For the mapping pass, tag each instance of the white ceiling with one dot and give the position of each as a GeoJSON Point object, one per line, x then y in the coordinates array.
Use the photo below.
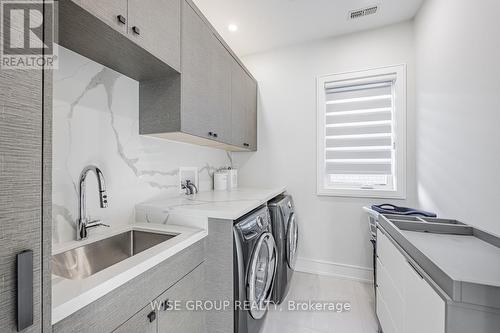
{"type": "Point", "coordinates": [267, 24]}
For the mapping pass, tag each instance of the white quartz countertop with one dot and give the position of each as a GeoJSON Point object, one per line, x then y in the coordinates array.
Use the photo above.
{"type": "Point", "coordinates": [183, 215]}
{"type": "Point", "coordinates": [228, 205]}
{"type": "Point", "coordinates": [69, 296]}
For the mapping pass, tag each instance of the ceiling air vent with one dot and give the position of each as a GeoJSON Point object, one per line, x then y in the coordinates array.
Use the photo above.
{"type": "Point", "coordinates": [354, 14]}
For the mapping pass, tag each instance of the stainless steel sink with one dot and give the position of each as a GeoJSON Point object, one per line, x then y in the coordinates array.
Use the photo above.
{"type": "Point", "coordinates": [89, 259]}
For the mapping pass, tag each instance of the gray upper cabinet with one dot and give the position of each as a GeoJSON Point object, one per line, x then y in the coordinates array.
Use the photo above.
{"type": "Point", "coordinates": [155, 26]}
{"type": "Point", "coordinates": [192, 87]}
{"type": "Point", "coordinates": [220, 90]}
{"type": "Point", "coordinates": [243, 108]}
{"type": "Point", "coordinates": [196, 99]}
{"type": "Point", "coordinates": [112, 12]}
{"type": "Point", "coordinates": [206, 77]}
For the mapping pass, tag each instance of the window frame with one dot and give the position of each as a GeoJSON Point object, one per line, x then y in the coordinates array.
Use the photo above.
{"type": "Point", "coordinates": [399, 132]}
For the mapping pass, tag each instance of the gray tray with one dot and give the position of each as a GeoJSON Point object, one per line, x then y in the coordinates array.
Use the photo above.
{"type": "Point", "coordinates": [462, 260]}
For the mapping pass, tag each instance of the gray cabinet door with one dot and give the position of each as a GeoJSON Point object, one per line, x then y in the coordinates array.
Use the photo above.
{"type": "Point", "coordinates": [21, 124]}
{"type": "Point", "coordinates": [196, 61]}
{"type": "Point", "coordinates": [155, 26]}
{"type": "Point", "coordinates": [220, 89]}
{"type": "Point", "coordinates": [252, 112]}
{"type": "Point", "coordinates": [243, 108]}
{"type": "Point", "coordinates": [238, 105]}
{"type": "Point", "coordinates": [144, 321]}
{"type": "Point", "coordinates": [178, 316]}
{"type": "Point", "coordinates": [205, 79]}
{"type": "Point", "coordinates": [107, 11]}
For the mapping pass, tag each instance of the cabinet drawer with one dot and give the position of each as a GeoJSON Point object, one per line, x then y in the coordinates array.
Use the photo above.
{"type": "Point", "coordinates": [143, 321]}
{"type": "Point", "coordinates": [392, 260]}
{"type": "Point", "coordinates": [384, 316]}
{"type": "Point", "coordinates": [394, 301]}
{"type": "Point", "coordinates": [425, 309]}
{"type": "Point", "coordinates": [407, 302]}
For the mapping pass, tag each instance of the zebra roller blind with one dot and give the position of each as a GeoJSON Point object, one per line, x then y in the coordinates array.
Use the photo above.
{"type": "Point", "coordinates": [358, 132]}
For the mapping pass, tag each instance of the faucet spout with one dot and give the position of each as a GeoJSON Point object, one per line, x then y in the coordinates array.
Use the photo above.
{"type": "Point", "coordinates": [83, 222]}
{"type": "Point", "coordinates": [189, 187]}
{"type": "Point", "coordinates": [192, 187]}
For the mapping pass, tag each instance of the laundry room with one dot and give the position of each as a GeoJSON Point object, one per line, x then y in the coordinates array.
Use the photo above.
{"type": "Point", "coordinates": [236, 166]}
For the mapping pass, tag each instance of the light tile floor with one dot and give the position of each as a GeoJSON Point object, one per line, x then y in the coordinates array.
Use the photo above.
{"type": "Point", "coordinates": [360, 319]}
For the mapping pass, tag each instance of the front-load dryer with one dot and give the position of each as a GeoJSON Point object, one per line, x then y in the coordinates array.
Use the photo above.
{"type": "Point", "coordinates": [285, 231]}
{"type": "Point", "coordinates": [255, 263]}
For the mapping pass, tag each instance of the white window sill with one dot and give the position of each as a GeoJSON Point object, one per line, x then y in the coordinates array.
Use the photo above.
{"type": "Point", "coordinates": [360, 193]}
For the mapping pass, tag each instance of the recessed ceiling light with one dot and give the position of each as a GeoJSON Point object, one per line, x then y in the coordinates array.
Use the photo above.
{"type": "Point", "coordinates": [232, 27]}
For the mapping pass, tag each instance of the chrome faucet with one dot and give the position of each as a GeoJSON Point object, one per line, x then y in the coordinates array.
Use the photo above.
{"type": "Point", "coordinates": [189, 187]}
{"type": "Point", "coordinates": [84, 222]}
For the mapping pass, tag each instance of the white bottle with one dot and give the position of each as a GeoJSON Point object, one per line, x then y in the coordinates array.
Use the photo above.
{"type": "Point", "coordinates": [232, 179]}
{"type": "Point", "coordinates": [221, 180]}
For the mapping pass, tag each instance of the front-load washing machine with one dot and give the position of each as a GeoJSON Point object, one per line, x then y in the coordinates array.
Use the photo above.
{"type": "Point", "coordinates": [255, 263]}
{"type": "Point", "coordinates": [285, 232]}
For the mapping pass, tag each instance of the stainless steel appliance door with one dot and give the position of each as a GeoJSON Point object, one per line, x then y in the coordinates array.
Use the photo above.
{"type": "Point", "coordinates": [292, 236]}
{"type": "Point", "coordinates": [261, 274]}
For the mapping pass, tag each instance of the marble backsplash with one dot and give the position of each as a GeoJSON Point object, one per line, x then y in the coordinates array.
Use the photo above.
{"type": "Point", "coordinates": [96, 121]}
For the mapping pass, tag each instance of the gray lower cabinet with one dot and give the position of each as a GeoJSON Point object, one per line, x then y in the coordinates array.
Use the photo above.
{"type": "Point", "coordinates": [155, 26]}
{"type": "Point", "coordinates": [171, 311]}
{"type": "Point", "coordinates": [205, 80]}
{"type": "Point", "coordinates": [125, 307]}
{"type": "Point", "coordinates": [143, 321]}
{"type": "Point", "coordinates": [179, 313]}
{"type": "Point", "coordinates": [112, 12]}
{"type": "Point", "coordinates": [243, 108]}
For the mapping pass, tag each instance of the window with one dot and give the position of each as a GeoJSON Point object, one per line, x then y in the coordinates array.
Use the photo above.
{"type": "Point", "coordinates": [361, 133]}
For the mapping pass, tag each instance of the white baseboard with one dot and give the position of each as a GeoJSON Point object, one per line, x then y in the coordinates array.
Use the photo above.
{"type": "Point", "coordinates": [328, 268]}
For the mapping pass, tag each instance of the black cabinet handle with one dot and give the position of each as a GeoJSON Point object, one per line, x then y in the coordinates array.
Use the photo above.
{"type": "Point", "coordinates": [152, 316]}
{"type": "Point", "coordinates": [215, 135]}
{"type": "Point", "coordinates": [246, 144]}
{"type": "Point", "coordinates": [136, 30]}
{"type": "Point", "coordinates": [121, 19]}
{"type": "Point", "coordinates": [210, 133]}
{"type": "Point", "coordinates": [24, 289]}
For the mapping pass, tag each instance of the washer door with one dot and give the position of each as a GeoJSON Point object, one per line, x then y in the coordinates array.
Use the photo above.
{"type": "Point", "coordinates": [292, 236]}
{"type": "Point", "coordinates": [261, 273]}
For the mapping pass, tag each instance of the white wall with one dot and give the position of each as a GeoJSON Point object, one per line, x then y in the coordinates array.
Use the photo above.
{"type": "Point", "coordinates": [96, 121]}
{"type": "Point", "coordinates": [458, 110]}
{"type": "Point", "coordinates": [333, 230]}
